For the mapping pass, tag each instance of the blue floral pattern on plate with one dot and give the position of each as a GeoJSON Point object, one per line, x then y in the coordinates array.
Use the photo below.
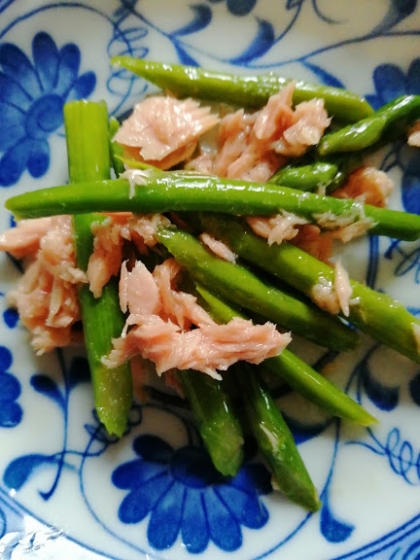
{"type": "Point", "coordinates": [10, 389]}
{"type": "Point", "coordinates": [156, 493]}
{"type": "Point", "coordinates": [238, 7]}
{"type": "Point", "coordinates": [32, 96]}
{"type": "Point", "coordinates": [184, 493]}
{"type": "Point", "coordinates": [390, 82]}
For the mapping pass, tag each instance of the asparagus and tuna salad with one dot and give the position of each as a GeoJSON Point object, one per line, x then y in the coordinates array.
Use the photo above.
{"type": "Point", "coordinates": [198, 236]}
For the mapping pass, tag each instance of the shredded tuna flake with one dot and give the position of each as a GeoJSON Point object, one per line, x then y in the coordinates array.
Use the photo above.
{"type": "Point", "coordinates": [164, 130]}
{"type": "Point", "coordinates": [218, 248]}
{"type": "Point", "coordinates": [414, 135]}
{"type": "Point", "coordinates": [324, 296]}
{"type": "Point", "coordinates": [169, 327]}
{"type": "Point", "coordinates": [368, 185]}
{"type": "Point", "coordinates": [346, 226]}
{"type": "Point", "coordinates": [135, 177]}
{"type": "Point", "coordinates": [278, 228]}
{"type": "Point", "coordinates": [342, 288]}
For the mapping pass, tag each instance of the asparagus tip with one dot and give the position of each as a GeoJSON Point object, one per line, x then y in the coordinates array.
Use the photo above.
{"type": "Point", "coordinates": [310, 501]}
{"type": "Point", "coordinates": [9, 205]}
{"type": "Point", "coordinates": [368, 420]}
{"type": "Point", "coordinates": [121, 60]}
{"type": "Point", "coordinates": [116, 61]}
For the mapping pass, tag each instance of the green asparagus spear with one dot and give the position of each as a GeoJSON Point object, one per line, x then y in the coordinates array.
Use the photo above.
{"type": "Point", "coordinates": [371, 129]}
{"type": "Point", "coordinates": [115, 148]}
{"type": "Point", "coordinates": [295, 372]}
{"type": "Point", "coordinates": [86, 125]}
{"type": "Point", "coordinates": [373, 312]}
{"type": "Point", "coordinates": [310, 171]}
{"type": "Point", "coordinates": [329, 175]}
{"type": "Point", "coordinates": [306, 177]}
{"type": "Point", "coordinates": [160, 191]}
{"type": "Point", "coordinates": [217, 421]}
{"type": "Point", "coordinates": [238, 284]}
{"type": "Point", "coordinates": [275, 440]}
{"type": "Point", "coordinates": [245, 91]}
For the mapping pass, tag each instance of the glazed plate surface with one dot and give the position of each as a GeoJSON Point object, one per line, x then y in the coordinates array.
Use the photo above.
{"type": "Point", "coordinates": [67, 490]}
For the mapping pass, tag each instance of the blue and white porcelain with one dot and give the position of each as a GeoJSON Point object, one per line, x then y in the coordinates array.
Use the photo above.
{"type": "Point", "coordinates": [68, 490]}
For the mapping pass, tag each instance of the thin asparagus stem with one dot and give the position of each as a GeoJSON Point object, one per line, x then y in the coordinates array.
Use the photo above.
{"type": "Point", "coordinates": [160, 191]}
{"type": "Point", "coordinates": [375, 313]}
{"type": "Point", "coordinates": [275, 440]}
{"type": "Point", "coordinates": [217, 421]}
{"type": "Point", "coordinates": [371, 129]}
{"type": "Point", "coordinates": [245, 91]}
{"type": "Point", "coordinates": [241, 286]}
{"type": "Point", "coordinates": [86, 125]}
{"type": "Point", "coordinates": [295, 372]}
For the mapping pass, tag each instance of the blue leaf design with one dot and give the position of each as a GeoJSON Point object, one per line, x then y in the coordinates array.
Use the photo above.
{"type": "Point", "coordinates": [413, 77]}
{"type": "Point", "coordinates": [79, 371]}
{"type": "Point", "coordinates": [13, 162]}
{"type": "Point", "coordinates": [69, 65]}
{"type": "Point", "coordinates": [10, 411]}
{"type": "Point", "coordinates": [47, 386]}
{"type": "Point", "coordinates": [384, 398]}
{"type": "Point", "coordinates": [253, 475]}
{"type": "Point", "coordinates": [3, 523]}
{"type": "Point", "coordinates": [247, 508]}
{"type": "Point", "coordinates": [152, 448]}
{"type": "Point", "coordinates": [11, 317]}
{"type": "Point", "coordinates": [182, 490]}
{"type": "Point", "coordinates": [225, 530]}
{"type": "Point", "coordinates": [11, 414]}
{"type": "Point", "coordinates": [167, 513]}
{"type": "Point", "coordinates": [390, 81]}
{"type": "Point", "coordinates": [4, 4]}
{"type": "Point", "coordinates": [83, 86]}
{"type": "Point", "coordinates": [31, 102]}
{"type": "Point", "coordinates": [404, 7]}
{"type": "Point", "coordinates": [304, 432]}
{"type": "Point", "coordinates": [262, 42]}
{"type": "Point", "coordinates": [46, 59]}
{"type": "Point", "coordinates": [293, 4]}
{"type": "Point", "coordinates": [325, 77]}
{"type": "Point", "coordinates": [374, 100]}
{"type": "Point", "coordinates": [5, 358]}
{"type": "Point", "coordinates": [183, 56]}
{"type": "Point", "coordinates": [414, 388]}
{"type": "Point", "coordinates": [13, 94]}
{"type": "Point", "coordinates": [10, 389]}
{"type": "Point", "coordinates": [39, 159]}
{"type": "Point", "coordinates": [334, 530]}
{"type": "Point", "coordinates": [241, 7]}
{"type": "Point", "coordinates": [413, 310]}
{"type": "Point", "coordinates": [21, 469]}
{"type": "Point", "coordinates": [195, 530]}
{"type": "Point", "coordinates": [202, 18]}
{"type": "Point", "coordinates": [411, 193]}
{"type": "Point", "coordinates": [17, 65]}
{"type": "Point", "coordinates": [126, 8]}
{"type": "Point", "coordinates": [398, 10]}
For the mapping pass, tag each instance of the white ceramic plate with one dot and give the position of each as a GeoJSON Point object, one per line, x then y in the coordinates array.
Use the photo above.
{"type": "Point", "coordinates": [69, 491]}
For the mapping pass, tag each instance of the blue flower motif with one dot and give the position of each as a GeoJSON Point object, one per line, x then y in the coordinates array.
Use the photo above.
{"type": "Point", "coordinates": [390, 82]}
{"type": "Point", "coordinates": [184, 494]}
{"type": "Point", "coordinates": [238, 7]}
{"type": "Point", "coordinates": [10, 410]}
{"type": "Point", "coordinates": [32, 96]}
